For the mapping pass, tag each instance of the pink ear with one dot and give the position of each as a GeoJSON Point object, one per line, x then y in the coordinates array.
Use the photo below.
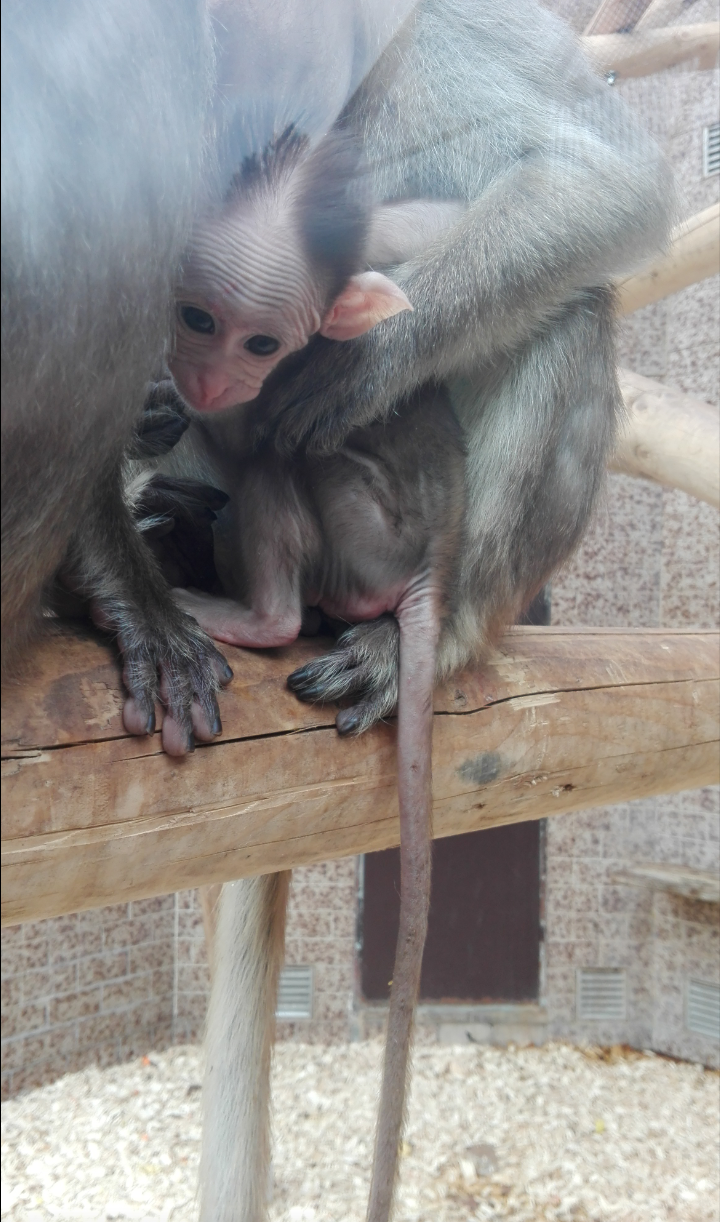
{"type": "Point", "coordinates": [365, 301]}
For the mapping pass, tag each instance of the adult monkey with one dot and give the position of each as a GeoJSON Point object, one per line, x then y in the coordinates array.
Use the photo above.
{"type": "Point", "coordinates": [104, 112]}
{"type": "Point", "coordinates": [104, 119]}
{"type": "Point", "coordinates": [495, 108]}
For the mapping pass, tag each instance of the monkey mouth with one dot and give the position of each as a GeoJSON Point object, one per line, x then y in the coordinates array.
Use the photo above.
{"type": "Point", "coordinates": [231, 396]}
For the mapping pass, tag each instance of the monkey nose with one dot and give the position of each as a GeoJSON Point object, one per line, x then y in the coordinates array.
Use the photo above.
{"type": "Point", "coordinates": [210, 388]}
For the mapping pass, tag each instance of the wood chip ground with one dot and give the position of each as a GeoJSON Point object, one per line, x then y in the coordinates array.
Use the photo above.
{"type": "Point", "coordinates": [576, 1136]}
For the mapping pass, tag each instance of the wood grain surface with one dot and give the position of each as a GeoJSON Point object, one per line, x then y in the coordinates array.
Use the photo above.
{"type": "Point", "coordinates": [555, 721]}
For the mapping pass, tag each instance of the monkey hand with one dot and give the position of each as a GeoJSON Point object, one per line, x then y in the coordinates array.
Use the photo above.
{"type": "Point", "coordinates": [168, 658]}
{"type": "Point", "coordinates": [337, 387]}
{"type": "Point", "coordinates": [362, 670]}
{"type": "Point", "coordinates": [163, 421]}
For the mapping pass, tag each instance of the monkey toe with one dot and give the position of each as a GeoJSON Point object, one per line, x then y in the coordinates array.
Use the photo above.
{"type": "Point", "coordinates": [360, 717]}
{"type": "Point", "coordinates": [137, 717]}
{"type": "Point", "coordinates": [325, 679]}
{"type": "Point", "coordinates": [363, 668]}
{"type": "Point", "coordinates": [177, 740]}
{"type": "Point", "coordinates": [180, 667]}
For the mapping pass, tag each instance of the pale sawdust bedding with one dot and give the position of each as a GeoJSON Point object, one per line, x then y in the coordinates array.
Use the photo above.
{"type": "Point", "coordinates": [576, 1137]}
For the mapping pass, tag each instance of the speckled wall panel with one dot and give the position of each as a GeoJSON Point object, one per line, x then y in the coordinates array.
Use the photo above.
{"type": "Point", "coordinates": [321, 933]}
{"type": "Point", "coordinates": [651, 558]}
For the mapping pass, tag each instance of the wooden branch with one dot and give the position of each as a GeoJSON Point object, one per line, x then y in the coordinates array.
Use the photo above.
{"type": "Point", "coordinates": [632, 55]}
{"type": "Point", "coordinates": [557, 721]}
{"type": "Point", "coordinates": [614, 15]}
{"type": "Point", "coordinates": [659, 12]}
{"type": "Point", "coordinates": [670, 437]}
{"type": "Point", "coordinates": [682, 880]}
{"type": "Point", "coordinates": [209, 897]}
{"type": "Point", "coordinates": [693, 256]}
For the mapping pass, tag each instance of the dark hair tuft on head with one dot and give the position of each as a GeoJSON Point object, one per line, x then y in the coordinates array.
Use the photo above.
{"type": "Point", "coordinates": [261, 170]}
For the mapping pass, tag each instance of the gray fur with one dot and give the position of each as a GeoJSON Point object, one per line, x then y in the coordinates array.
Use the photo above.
{"type": "Point", "coordinates": [495, 108]}
{"type": "Point", "coordinates": [103, 113]}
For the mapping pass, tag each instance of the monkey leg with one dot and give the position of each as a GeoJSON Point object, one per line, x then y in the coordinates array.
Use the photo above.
{"type": "Point", "coordinates": [166, 656]}
{"type": "Point", "coordinates": [539, 427]}
{"type": "Point", "coordinates": [249, 948]}
{"type": "Point", "coordinates": [362, 668]}
{"type": "Point", "coordinates": [228, 621]}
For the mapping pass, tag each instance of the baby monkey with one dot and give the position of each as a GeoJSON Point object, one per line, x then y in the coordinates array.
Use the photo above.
{"type": "Point", "coordinates": [370, 530]}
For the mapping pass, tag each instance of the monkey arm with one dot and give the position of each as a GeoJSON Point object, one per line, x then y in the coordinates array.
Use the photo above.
{"type": "Point", "coordinates": [166, 656]}
{"type": "Point", "coordinates": [554, 223]}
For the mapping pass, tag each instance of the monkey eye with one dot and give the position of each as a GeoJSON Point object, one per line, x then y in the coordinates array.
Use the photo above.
{"type": "Point", "coordinates": [262, 345]}
{"type": "Point", "coordinates": [198, 320]}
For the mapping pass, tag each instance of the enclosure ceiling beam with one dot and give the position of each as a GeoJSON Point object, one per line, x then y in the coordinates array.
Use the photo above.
{"type": "Point", "coordinates": [557, 721]}
{"type": "Point", "coordinates": [615, 15]}
{"type": "Point", "coordinates": [659, 12]}
{"type": "Point", "coordinates": [669, 437]}
{"type": "Point", "coordinates": [633, 55]}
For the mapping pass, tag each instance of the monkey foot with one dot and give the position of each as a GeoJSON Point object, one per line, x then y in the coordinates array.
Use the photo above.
{"type": "Point", "coordinates": [363, 668]}
{"type": "Point", "coordinates": [179, 667]}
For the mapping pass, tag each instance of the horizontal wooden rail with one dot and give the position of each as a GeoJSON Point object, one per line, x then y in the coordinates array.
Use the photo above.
{"type": "Point", "coordinates": [669, 437]}
{"type": "Point", "coordinates": [613, 15]}
{"type": "Point", "coordinates": [641, 54]}
{"type": "Point", "coordinates": [555, 722]}
{"type": "Point", "coordinates": [694, 255]}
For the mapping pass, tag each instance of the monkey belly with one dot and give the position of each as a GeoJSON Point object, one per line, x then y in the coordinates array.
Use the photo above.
{"type": "Point", "coordinates": [369, 556]}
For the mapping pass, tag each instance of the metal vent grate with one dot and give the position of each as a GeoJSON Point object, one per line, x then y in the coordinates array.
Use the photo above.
{"type": "Point", "coordinates": [600, 992]}
{"type": "Point", "coordinates": [703, 1008]}
{"type": "Point", "coordinates": [711, 149]}
{"type": "Point", "coordinates": [295, 993]}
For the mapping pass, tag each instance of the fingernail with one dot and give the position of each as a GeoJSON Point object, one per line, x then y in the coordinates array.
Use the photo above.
{"type": "Point", "coordinates": [228, 673]}
{"type": "Point", "coordinates": [150, 724]}
{"type": "Point", "coordinates": [217, 726]}
{"type": "Point", "coordinates": [190, 742]}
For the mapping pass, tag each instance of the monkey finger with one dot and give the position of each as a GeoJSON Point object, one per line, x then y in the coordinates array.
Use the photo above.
{"type": "Point", "coordinates": [137, 717]}
{"type": "Point", "coordinates": [222, 668]}
{"type": "Point", "coordinates": [175, 692]}
{"type": "Point", "coordinates": [206, 723]}
{"type": "Point", "coordinates": [177, 740]}
{"type": "Point", "coordinates": [140, 679]}
{"type": "Point", "coordinates": [205, 712]}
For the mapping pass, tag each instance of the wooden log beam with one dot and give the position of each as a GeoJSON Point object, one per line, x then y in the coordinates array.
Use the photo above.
{"type": "Point", "coordinates": [556, 721]}
{"type": "Point", "coordinates": [641, 54]}
{"type": "Point", "coordinates": [694, 255]}
{"type": "Point", "coordinates": [670, 437]}
{"type": "Point", "coordinates": [615, 15]}
{"type": "Point", "coordinates": [659, 12]}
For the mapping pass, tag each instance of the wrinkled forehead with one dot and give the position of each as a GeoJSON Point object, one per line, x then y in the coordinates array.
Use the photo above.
{"type": "Point", "coordinates": [249, 261]}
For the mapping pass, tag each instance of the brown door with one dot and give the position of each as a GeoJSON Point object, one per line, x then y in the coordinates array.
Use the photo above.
{"type": "Point", "coordinates": [483, 939]}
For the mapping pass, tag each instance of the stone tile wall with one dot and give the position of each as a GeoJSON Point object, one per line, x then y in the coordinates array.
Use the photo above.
{"type": "Point", "coordinates": [106, 985]}
{"type": "Point", "coordinates": [651, 559]}
{"type": "Point", "coordinates": [321, 932]}
{"type": "Point", "coordinates": [93, 987]}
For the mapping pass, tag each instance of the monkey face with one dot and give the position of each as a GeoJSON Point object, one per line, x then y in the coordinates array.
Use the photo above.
{"type": "Point", "coordinates": [219, 359]}
{"type": "Point", "coordinates": [249, 297]}
{"type": "Point", "coordinates": [246, 300]}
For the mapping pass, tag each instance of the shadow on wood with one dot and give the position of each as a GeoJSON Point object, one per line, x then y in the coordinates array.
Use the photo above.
{"type": "Point", "coordinates": [556, 721]}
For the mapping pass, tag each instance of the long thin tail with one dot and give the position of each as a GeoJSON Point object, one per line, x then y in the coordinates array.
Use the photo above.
{"type": "Point", "coordinates": [418, 637]}
{"type": "Point", "coordinates": [249, 946]}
